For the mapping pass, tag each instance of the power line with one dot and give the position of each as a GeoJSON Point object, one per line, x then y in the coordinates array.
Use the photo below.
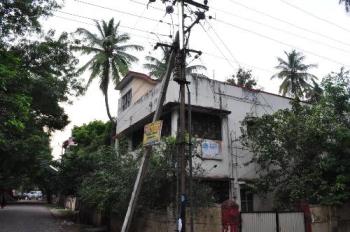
{"type": "Point", "coordinates": [243, 63]}
{"type": "Point", "coordinates": [91, 24]}
{"type": "Point", "coordinates": [215, 44]}
{"type": "Point", "coordinates": [283, 21]}
{"type": "Point", "coordinates": [123, 26]}
{"type": "Point", "coordinates": [291, 33]}
{"type": "Point", "coordinates": [121, 12]}
{"type": "Point", "coordinates": [314, 16]}
{"type": "Point", "coordinates": [148, 38]}
{"type": "Point", "coordinates": [222, 41]}
{"type": "Point", "coordinates": [73, 20]}
{"type": "Point", "coordinates": [161, 10]}
{"type": "Point", "coordinates": [226, 59]}
{"type": "Point", "coordinates": [151, 6]}
{"type": "Point", "coordinates": [280, 42]}
{"type": "Point", "coordinates": [138, 18]}
{"type": "Point", "coordinates": [147, 5]}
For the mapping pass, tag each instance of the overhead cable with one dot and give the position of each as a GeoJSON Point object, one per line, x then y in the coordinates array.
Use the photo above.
{"type": "Point", "coordinates": [123, 26]}
{"type": "Point", "coordinates": [291, 33]}
{"type": "Point", "coordinates": [222, 41]}
{"type": "Point", "coordinates": [281, 42]}
{"type": "Point", "coordinates": [314, 16]}
{"type": "Point", "coordinates": [150, 6]}
{"type": "Point", "coordinates": [121, 12]}
{"type": "Point", "coordinates": [91, 24]}
{"type": "Point", "coordinates": [242, 63]}
{"type": "Point", "coordinates": [281, 20]}
{"type": "Point", "coordinates": [215, 44]}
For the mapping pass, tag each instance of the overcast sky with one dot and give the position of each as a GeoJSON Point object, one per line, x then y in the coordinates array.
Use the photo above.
{"type": "Point", "coordinates": [247, 33]}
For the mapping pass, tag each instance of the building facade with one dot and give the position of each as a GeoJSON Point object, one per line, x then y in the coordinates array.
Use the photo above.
{"type": "Point", "coordinates": [217, 111]}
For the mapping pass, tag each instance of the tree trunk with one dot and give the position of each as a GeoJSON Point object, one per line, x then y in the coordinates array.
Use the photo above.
{"type": "Point", "coordinates": [107, 106]}
{"type": "Point", "coordinates": [114, 123]}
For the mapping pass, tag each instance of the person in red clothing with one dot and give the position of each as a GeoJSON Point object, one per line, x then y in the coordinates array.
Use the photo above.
{"type": "Point", "coordinates": [230, 216]}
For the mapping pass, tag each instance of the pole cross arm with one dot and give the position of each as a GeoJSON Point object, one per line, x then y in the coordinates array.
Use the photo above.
{"type": "Point", "coordinates": [196, 4]}
{"type": "Point", "coordinates": [194, 51]}
{"type": "Point", "coordinates": [163, 45]}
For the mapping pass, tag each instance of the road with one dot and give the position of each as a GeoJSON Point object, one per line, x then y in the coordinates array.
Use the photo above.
{"type": "Point", "coordinates": [28, 218]}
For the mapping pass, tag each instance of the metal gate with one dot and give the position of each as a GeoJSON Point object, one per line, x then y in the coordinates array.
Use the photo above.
{"type": "Point", "coordinates": [272, 222]}
{"type": "Point", "coordinates": [291, 222]}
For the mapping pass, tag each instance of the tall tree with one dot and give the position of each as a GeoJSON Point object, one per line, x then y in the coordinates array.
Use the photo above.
{"type": "Point", "coordinates": [110, 55]}
{"type": "Point", "coordinates": [35, 78]}
{"type": "Point", "coordinates": [19, 17]}
{"type": "Point", "coordinates": [294, 74]}
{"type": "Point", "coordinates": [243, 78]}
{"type": "Point", "coordinates": [158, 67]}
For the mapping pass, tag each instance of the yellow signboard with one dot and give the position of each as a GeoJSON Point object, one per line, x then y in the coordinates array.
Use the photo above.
{"type": "Point", "coordinates": [152, 133]}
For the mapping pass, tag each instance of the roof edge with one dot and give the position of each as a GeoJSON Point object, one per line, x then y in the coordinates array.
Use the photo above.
{"type": "Point", "coordinates": [131, 75]}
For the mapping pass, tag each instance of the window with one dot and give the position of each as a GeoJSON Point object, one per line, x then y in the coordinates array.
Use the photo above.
{"type": "Point", "coordinates": [247, 201]}
{"type": "Point", "coordinates": [137, 138]}
{"type": "Point", "coordinates": [126, 100]}
{"type": "Point", "coordinates": [220, 190]}
{"type": "Point", "coordinates": [206, 126]}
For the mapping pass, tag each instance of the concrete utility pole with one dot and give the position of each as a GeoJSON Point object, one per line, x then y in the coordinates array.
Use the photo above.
{"type": "Point", "coordinates": [180, 78]}
{"type": "Point", "coordinates": [177, 58]}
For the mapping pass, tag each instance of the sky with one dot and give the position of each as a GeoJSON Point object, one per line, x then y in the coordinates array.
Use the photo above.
{"type": "Point", "coordinates": [236, 33]}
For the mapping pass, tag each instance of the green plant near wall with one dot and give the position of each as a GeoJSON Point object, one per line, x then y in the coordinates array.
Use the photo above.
{"type": "Point", "coordinates": [109, 186]}
{"type": "Point", "coordinates": [304, 152]}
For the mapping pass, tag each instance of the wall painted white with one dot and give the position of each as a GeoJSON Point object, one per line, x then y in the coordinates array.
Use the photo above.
{"type": "Point", "coordinates": [215, 95]}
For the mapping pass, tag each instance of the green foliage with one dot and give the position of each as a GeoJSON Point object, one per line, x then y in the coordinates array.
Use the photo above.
{"type": "Point", "coordinates": [18, 17]}
{"type": "Point", "coordinates": [314, 93]}
{"type": "Point", "coordinates": [158, 67]}
{"type": "Point", "coordinates": [91, 136]}
{"type": "Point", "coordinates": [109, 184]}
{"type": "Point", "coordinates": [110, 55]}
{"type": "Point", "coordinates": [35, 77]}
{"type": "Point", "coordinates": [78, 161]}
{"type": "Point", "coordinates": [294, 74]}
{"type": "Point", "coordinates": [303, 152]}
{"type": "Point", "coordinates": [243, 78]}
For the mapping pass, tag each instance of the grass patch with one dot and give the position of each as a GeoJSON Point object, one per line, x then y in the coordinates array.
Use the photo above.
{"type": "Point", "coordinates": [62, 213]}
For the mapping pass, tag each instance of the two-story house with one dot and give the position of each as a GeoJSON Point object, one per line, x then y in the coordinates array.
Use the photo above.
{"type": "Point", "coordinates": [217, 111]}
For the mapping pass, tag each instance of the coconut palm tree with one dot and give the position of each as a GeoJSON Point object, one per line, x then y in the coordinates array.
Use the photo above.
{"type": "Point", "coordinates": [294, 74]}
{"type": "Point", "coordinates": [110, 59]}
{"type": "Point", "coordinates": [158, 67]}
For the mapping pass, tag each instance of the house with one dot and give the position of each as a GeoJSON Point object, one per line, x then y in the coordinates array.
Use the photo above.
{"type": "Point", "coordinates": [217, 111]}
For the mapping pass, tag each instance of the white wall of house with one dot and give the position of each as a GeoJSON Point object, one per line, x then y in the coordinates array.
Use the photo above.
{"type": "Point", "coordinates": [140, 88]}
{"type": "Point", "coordinates": [216, 95]}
